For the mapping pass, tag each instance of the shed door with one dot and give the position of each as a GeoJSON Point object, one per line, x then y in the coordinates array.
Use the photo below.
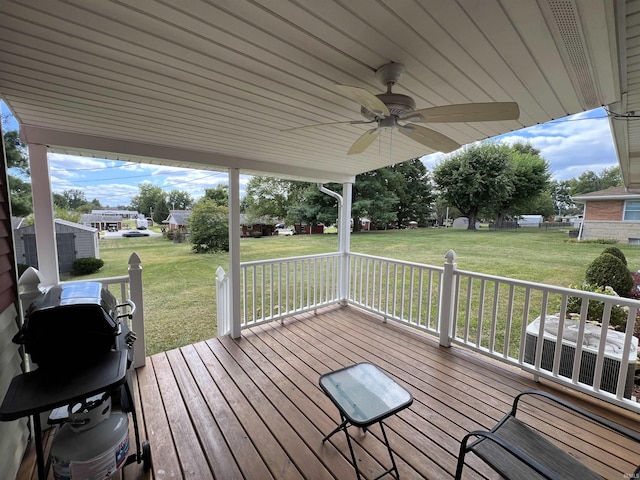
{"type": "Point", "coordinates": [66, 250]}
{"type": "Point", "coordinates": [66, 243]}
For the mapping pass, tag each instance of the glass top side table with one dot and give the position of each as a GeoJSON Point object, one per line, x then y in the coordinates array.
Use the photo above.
{"type": "Point", "coordinates": [364, 395]}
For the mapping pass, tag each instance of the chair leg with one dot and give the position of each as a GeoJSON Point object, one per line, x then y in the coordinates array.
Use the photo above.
{"type": "Point", "coordinates": [461, 455]}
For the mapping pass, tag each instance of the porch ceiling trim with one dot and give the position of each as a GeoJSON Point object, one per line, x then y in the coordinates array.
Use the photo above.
{"type": "Point", "coordinates": [125, 150]}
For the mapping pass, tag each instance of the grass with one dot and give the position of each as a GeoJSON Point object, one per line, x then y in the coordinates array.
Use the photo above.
{"type": "Point", "coordinates": [179, 286]}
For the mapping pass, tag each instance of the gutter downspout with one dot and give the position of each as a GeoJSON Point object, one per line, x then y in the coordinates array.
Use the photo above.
{"type": "Point", "coordinates": [343, 243]}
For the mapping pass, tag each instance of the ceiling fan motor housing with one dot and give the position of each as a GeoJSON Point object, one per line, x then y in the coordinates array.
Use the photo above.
{"type": "Point", "coordinates": [397, 103]}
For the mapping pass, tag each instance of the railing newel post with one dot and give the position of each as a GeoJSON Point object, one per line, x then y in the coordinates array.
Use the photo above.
{"type": "Point", "coordinates": [447, 295]}
{"type": "Point", "coordinates": [137, 323]}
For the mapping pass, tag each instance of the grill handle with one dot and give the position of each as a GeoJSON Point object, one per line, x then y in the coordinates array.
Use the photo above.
{"type": "Point", "coordinates": [129, 314]}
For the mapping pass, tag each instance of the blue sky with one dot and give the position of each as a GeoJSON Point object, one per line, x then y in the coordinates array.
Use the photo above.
{"type": "Point", "coordinates": [571, 145]}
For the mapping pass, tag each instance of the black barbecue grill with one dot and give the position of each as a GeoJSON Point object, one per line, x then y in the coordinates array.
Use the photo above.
{"type": "Point", "coordinates": [71, 325]}
{"type": "Point", "coordinates": [73, 333]}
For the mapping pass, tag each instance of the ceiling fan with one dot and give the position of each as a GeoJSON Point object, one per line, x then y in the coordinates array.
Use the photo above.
{"type": "Point", "coordinates": [388, 110]}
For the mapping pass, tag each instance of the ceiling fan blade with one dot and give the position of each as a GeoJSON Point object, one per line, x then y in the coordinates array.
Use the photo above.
{"type": "Point", "coordinates": [468, 112]}
{"type": "Point", "coordinates": [365, 98]}
{"type": "Point", "coordinates": [313, 125]}
{"type": "Point", "coordinates": [429, 138]}
{"type": "Point", "coordinates": [366, 139]}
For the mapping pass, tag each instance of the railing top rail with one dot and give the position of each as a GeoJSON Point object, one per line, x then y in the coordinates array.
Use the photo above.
{"type": "Point", "coordinates": [289, 259]}
{"type": "Point", "coordinates": [108, 280]}
{"type": "Point", "coordinates": [401, 262]}
{"type": "Point", "coordinates": [600, 297]}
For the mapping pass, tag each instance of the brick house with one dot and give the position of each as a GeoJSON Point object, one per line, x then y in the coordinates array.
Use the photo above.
{"type": "Point", "coordinates": [611, 213]}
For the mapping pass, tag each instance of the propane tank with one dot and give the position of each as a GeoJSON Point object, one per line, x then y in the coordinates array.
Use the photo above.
{"type": "Point", "coordinates": [93, 453]}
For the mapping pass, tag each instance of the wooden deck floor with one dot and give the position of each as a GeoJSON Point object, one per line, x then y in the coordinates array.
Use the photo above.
{"type": "Point", "coordinates": [252, 408]}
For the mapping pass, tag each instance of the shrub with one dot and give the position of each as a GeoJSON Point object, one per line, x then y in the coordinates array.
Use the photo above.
{"type": "Point", "coordinates": [85, 266]}
{"type": "Point", "coordinates": [21, 269]}
{"type": "Point", "coordinates": [596, 309]}
{"type": "Point", "coordinates": [256, 234]}
{"type": "Point", "coordinates": [616, 252]}
{"type": "Point", "coordinates": [608, 271]}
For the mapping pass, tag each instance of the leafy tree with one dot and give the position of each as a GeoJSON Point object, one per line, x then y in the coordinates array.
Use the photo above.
{"type": "Point", "coordinates": [441, 207]}
{"type": "Point", "coordinates": [21, 202]}
{"type": "Point", "coordinates": [267, 196]}
{"type": "Point", "coordinates": [151, 201]}
{"type": "Point", "coordinates": [16, 153]}
{"type": "Point", "coordinates": [477, 178]}
{"type": "Point", "coordinates": [560, 194]}
{"type": "Point", "coordinates": [414, 191]}
{"type": "Point", "coordinates": [591, 181]}
{"type": "Point", "coordinates": [530, 177]}
{"type": "Point", "coordinates": [17, 159]}
{"type": "Point", "coordinates": [74, 198]}
{"type": "Point", "coordinates": [179, 200]}
{"type": "Point", "coordinates": [374, 198]}
{"type": "Point", "coordinates": [219, 195]}
{"type": "Point", "coordinates": [312, 206]}
{"type": "Point", "coordinates": [209, 227]}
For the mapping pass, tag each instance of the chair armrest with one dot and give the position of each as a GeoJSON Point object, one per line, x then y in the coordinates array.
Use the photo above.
{"type": "Point", "coordinates": [591, 416]}
{"type": "Point", "coordinates": [510, 449]}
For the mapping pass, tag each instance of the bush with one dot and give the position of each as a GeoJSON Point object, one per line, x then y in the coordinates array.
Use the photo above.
{"type": "Point", "coordinates": [596, 309]}
{"type": "Point", "coordinates": [85, 266]}
{"type": "Point", "coordinates": [608, 271]}
{"type": "Point", "coordinates": [256, 234]}
{"type": "Point", "coordinates": [616, 252]}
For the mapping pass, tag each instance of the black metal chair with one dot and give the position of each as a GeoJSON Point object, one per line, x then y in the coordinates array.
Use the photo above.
{"type": "Point", "coordinates": [516, 451]}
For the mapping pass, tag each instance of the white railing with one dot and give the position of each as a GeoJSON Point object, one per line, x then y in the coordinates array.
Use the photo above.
{"type": "Point", "coordinates": [402, 291]}
{"type": "Point", "coordinates": [276, 289]}
{"type": "Point", "coordinates": [514, 321]}
{"type": "Point", "coordinates": [521, 323]}
{"type": "Point", "coordinates": [125, 287]}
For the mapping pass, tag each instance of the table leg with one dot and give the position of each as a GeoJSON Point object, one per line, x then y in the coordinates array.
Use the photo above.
{"type": "Point", "coordinates": [393, 462]}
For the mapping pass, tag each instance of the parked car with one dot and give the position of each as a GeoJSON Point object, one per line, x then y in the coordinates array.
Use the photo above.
{"type": "Point", "coordinates": [135, 233]}
{"type": "Point", "coordinates": [284, 231]}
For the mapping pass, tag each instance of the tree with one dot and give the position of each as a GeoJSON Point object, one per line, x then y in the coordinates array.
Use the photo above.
{"type": "Point", "coordinates": [219, 195]}
{"type": "Point", "coordinates": [530, 177]}
{"type": "Point", "coordinates": [21, 202]}
{"type": "Point", "coordinates": [266, 196]}
{"type": "Point", "coordinates": [151, 201]}
{"type": "Point", "coordinates": [209, 227]}
{"type": "Point", "coordinates": [374, 198]}
{"type": "Point", "coordinates": [559, 191]}
{"type": "Point", "coordinates": [414, 191]}
{"type": "Point", "coordinates": [17, 159]}
{"type": "Point", "coordinates": [591, 181]}
{"type": "Point", "coordinates": [477, 178]}
{"type": "Point", "coordinates": [179, 200]}
{"type": "Point", "coordinates": [74, 199]}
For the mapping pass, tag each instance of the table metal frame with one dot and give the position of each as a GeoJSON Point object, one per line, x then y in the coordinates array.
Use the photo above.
{"type": "Point", "coordinates": [347, 420]}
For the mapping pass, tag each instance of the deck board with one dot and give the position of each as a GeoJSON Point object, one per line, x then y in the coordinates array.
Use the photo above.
{"type": "Point", "coordinates": [252, 408]}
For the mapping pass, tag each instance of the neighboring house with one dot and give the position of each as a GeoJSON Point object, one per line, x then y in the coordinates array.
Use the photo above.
{"type": "Point", "coordinates": [612, 213]}
{"type": "Point", "coordinates": [177, 219]}
{"type": "Point", "coordinates": [120, 213]}
{"type": "Point", "coordinates": [265, 225]}
{"type": "Point", "coordinates": [72, 239]}
{"type": "Point", "coordinates": [530, 220]}
{"type": "Point", "coordinates": [109, 222]}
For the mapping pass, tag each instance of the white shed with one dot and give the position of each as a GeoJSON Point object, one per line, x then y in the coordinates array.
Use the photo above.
{"type": "Point", "coordinates": [72, 239]}
{"type": "Point", "coordinates": [530, 220]}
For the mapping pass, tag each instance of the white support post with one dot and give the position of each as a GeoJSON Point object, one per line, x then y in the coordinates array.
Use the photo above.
{"type": "Point", "coordinates": [234, 249]}
{"type": "Point", "coordinates": [447, 296]}
{"type": "Point", "coordinates": [344, 240]}
{"type": "Point", "coordinates": [137, 323]}
{"type": "Point", "coordinates": [43, 214]}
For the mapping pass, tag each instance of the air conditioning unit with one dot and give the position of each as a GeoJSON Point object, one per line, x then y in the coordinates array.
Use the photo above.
{"type": "Point", "coordinates": [613, 353]}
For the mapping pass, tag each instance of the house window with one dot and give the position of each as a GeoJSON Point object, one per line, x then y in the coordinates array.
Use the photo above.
{"type": "Point", "coordinates": [634, 241]}
{"type": "Point", "coordinates": [632, 210]}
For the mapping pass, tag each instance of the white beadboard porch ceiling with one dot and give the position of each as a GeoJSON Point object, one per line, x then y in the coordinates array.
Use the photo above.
{"type": "Point", "coordinates": [212, 84]}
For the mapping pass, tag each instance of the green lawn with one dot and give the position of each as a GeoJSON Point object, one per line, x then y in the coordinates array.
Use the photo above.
{"type": "Point", "coordinates": [179, 286]}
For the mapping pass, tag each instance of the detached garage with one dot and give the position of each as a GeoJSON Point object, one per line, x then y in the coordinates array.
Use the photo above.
{"type": "Point", "coordinates": [72, 239]}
